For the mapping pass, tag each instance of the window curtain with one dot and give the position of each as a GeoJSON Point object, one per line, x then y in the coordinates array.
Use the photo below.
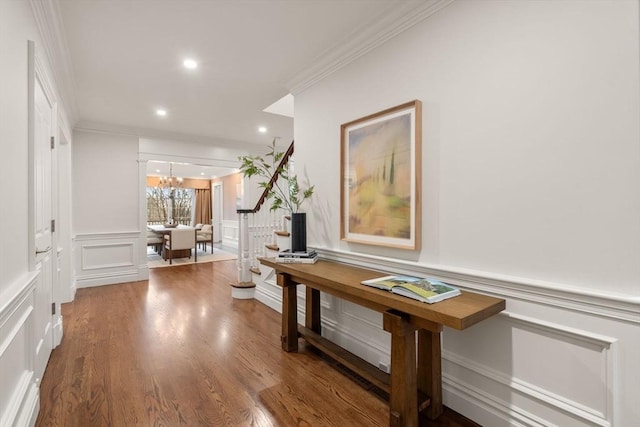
{"type": "Point", "coordinates": [203, 206]}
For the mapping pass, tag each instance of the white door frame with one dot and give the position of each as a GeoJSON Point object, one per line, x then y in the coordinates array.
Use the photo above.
{"type": "Point", "coordinates": [218, 200]}
{"type": "Point", "coordinates": [65, 292]}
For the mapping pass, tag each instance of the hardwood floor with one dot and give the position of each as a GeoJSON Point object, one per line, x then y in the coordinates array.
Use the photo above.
{"type": "Point", "coordinates": [178, 350]}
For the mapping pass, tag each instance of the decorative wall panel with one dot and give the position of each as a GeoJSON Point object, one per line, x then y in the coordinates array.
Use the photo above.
{"type": "Point", "coordinates": [230, 233]}
{"type": "Point", "coordinates": [108, 258]}
{"type": "Point", "coordinates": [19, 390]}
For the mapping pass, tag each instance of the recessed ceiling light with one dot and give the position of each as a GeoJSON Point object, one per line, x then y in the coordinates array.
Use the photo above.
{"type": "Point", "coordinates": [262, 129]}
{"type": "Point", "coordinates": [161, 112]}
{"type": "Point", "coordinates": [158, 170]}
{"type": "Point", "coordinates": [190, 64]}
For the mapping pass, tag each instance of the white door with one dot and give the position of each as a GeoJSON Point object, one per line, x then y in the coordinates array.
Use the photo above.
{"type": "Point", "coordinates": [43, 132]}
{"type": "Point", "coordinates": [217, 212]}
{"type": "Point", "coordinates": [43, 128]}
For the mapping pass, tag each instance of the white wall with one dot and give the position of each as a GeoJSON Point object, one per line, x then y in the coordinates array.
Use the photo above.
{"type": "Point", "coordinates": [16, 28]}
{"type": "Point", "coordinates": [19, 391]}
{"type": "Point", "coordinates": [530, 137]}
{"type": "Point", "coordinates": [106, 209]}
{"type": "Point", "coordinates": [109, 185]}
{"type": "Point", "coordinates": [530, 189]}
{"type": "Point", "coordinates": [105, 178]}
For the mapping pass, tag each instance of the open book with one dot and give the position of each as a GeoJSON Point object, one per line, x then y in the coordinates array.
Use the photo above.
{"type": "Point", "coordinates": [421, 289]}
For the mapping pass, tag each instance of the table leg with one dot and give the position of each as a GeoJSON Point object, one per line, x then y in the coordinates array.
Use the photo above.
{"type": "Point", "coordinates": [289, 335]}
{"type": "Point", "coordinates": [430, 370]}
{"type": "Point", "coordinates": [312, 312]}
{"type": "Point", "coordinates": [403, 397]}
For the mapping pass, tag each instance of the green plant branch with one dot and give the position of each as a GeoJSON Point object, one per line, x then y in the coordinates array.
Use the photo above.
{"type": "Point", "coordinates": [257, 166]}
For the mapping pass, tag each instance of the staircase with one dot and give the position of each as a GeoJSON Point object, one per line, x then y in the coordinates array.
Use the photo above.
{"type": "Point", "coordinates": [263, 233]}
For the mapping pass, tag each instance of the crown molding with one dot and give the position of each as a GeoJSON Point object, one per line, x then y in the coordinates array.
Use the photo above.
{"type": "Point", "coordinates": [50, 26]}
{"type": "Point", "coordinates": [364, 39]}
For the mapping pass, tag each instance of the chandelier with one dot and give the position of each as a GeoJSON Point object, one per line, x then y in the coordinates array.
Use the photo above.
{"type": "Point", "coordinates": [171, 182]}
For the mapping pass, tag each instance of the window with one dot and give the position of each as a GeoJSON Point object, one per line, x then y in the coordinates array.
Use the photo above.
{"type": "Point", "coordinates": [164, 204]}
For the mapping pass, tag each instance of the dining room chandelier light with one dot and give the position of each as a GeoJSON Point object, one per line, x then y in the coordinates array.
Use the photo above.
{"type": "Point", "coordinates": [168, 186]}
{"type": "Point", "coordinates": [171, 182]}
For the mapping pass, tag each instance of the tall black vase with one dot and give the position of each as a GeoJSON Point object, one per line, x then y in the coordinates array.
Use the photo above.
{"type": "Point", "coordinates": [299, 232]}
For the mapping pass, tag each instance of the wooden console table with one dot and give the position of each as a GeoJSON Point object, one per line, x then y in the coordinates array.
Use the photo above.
{"type": "Point", "coordinates": [415, 382]}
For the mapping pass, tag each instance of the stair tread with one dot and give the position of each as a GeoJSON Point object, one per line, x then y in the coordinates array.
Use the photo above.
{"type": "Point", "coordinates": [243, 285]}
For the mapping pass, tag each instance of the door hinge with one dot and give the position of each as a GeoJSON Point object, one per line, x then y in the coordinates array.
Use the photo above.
{"type": "Point", "coordinates": [53, 142]}
{"type": "Point", "coordinates": [53, 225]}
{"type": "Point", "coordinates": [53, 308]}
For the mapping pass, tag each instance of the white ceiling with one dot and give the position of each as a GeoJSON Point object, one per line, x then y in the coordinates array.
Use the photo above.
{"type": "Point", "coordinates": [126, 60]}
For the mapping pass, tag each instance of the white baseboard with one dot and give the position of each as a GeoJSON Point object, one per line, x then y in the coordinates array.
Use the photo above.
{"type": "Point", "coordinates": [143, 272]}
{"type": "Point", "coordinates": [72, 290]}
{"type": "Point", "coordinates": [269, 294]}
{"type": "Point", "coordinates": [57, 331]}
{"type": "Point", "coordinates": [89, 281]}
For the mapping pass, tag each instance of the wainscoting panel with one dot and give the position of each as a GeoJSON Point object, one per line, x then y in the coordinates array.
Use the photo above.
{"type": "Point", "coordinates": [230, 233]}
{"type": "Point", "coordinates": [19, 400]}
{"type": "Point", "coordinates": [529, 366]}
{"type": "Point", "coordinates": [98, 257]}
{"type": "Point", "coordinates": [553, 358]}
{"type": "Point", "coordinates": [108, 258]}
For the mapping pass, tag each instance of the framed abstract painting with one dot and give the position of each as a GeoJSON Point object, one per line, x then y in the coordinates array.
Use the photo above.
{"type": "Point", "coordinates": [380, 178]}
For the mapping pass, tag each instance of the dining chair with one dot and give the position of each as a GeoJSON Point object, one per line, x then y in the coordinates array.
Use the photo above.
{"type": "Point", "coordinates": [180, 239]}
{"type": "Point", "coordinates": [155, 240]}
{"type": "Point", "coordinates": [205, 235]}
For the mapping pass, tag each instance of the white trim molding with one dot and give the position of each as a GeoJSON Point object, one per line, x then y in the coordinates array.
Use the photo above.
{"type": "Point", "coordinates": [143, 267]}
{"type": "Point", "coordinates": [267, 291]}
{"type": "Point", "coordinates": [393, 21]}
{"type": "Point", "coordinates": [606, 304]}
{"type": "Point", "coordinates": [49, 22]}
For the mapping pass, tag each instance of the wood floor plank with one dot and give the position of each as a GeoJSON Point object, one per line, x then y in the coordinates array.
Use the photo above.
{"type": "Point", "coordinates": [177, 350]}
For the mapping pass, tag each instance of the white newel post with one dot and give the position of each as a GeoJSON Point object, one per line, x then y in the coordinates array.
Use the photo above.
{"type": "Point", "coordinates": [244, 258]}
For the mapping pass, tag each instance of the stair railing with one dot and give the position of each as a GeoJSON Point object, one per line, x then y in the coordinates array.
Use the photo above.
{"type": "Point", "coordinates": [257, 227]}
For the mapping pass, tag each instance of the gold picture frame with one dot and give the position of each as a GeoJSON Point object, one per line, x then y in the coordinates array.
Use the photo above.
{"type": "Point", "coordinates": [380, 178]}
